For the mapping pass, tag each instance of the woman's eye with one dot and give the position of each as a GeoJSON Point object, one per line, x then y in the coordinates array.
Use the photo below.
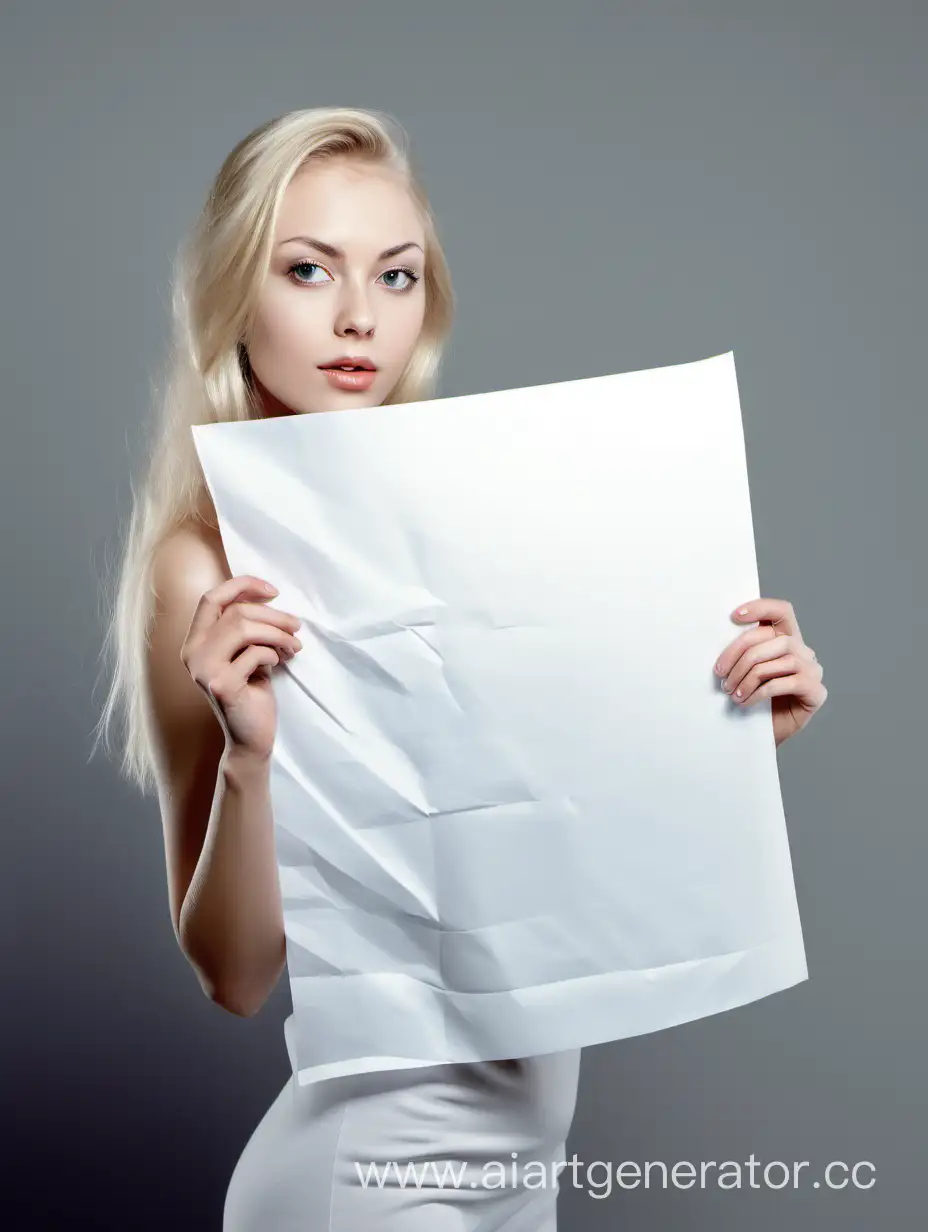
{"type": "Point", "coordinates": [302, 265]}
{"type": "Point", "coordinates": [412, 279]}
{"type": "Point", "coordinates": [299, 266]}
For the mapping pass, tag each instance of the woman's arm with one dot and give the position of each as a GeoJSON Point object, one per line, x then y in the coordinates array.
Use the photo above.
{"type": "Point", "coordinates": [223, 883]}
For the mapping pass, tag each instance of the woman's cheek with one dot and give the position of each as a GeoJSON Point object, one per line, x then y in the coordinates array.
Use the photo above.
{"type": "Point", "coordinates": [289, 332]}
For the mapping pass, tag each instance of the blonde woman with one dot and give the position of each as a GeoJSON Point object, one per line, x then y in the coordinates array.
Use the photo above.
{"type": "Point", "coordinates": [316, 250]}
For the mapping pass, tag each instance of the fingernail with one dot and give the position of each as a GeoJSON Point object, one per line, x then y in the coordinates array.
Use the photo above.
{"type": "Point", "coordinates": [272, 590]}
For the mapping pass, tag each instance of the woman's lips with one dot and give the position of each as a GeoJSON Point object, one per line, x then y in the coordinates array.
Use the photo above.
{"type": "Point", "coordinates": [351, 382]}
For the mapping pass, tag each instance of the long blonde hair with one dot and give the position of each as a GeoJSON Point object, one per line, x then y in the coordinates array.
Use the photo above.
{"type": "Point", "coordinates": [218, 272]}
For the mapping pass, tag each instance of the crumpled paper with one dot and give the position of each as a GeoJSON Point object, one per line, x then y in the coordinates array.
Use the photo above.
{"type": "Point", "coordinates": [514, 812]}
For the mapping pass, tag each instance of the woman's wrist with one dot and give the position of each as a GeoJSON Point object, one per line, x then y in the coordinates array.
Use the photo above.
{"type": "Point", "coordinates": [241, 764]}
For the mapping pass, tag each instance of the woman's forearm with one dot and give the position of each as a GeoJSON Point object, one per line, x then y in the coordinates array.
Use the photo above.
{"type": "Point", "coordinates": [231, 921]}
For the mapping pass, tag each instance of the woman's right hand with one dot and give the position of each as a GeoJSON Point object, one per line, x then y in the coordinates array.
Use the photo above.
{"type": "Point", "coordinates": [231, 645]}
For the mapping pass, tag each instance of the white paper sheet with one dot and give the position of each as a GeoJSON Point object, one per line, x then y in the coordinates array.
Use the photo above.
{"type": "Point", "coordinates": [514, 811]}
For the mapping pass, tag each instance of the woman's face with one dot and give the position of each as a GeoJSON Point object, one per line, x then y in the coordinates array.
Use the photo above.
{"type": "Point", "coordinates": [316, 305]}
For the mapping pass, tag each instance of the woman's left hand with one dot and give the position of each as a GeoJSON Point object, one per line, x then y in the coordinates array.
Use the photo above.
{"type": "Point", "coordinates": [773, 661]}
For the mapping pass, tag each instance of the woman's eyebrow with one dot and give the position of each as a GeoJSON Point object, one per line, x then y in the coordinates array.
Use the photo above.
{"type": "Point", "coordinates": [331, 251]}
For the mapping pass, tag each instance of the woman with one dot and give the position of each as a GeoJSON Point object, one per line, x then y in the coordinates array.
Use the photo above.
{"type": "Point", "coordinates": [317, 250]}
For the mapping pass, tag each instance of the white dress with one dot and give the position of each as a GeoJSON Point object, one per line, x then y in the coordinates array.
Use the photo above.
{"type": "Point", "coordinates": [449, 1144]}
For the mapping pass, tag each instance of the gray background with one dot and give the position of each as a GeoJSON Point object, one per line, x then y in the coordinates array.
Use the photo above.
{"type": "Point", "coordinates": [618, 187]}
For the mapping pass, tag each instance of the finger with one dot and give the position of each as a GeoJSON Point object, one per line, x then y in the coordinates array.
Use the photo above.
{"type": "Point", "coordinates": [787, 665]}
{"type": "Point", "coordinates": [779, 685]}
{"type": "Point", "coordinates": [734, 650]}
{"type": "Point", "coordinates": [261, 611]}
{"type": "Point", "coordinates": [231, 635]}
{"type": "Point", "coordinates": [229, 681]}
{"type": "Point", "coordinates": [809, 693]}
{"type": "Point", "coordinates": [228, 639]}
{"type": "Point", "coordinates": [214, 601]}
{"type": "Point", "coordinates": [759, 650]}
{"type": "Point", "coordinates": [777, 612]}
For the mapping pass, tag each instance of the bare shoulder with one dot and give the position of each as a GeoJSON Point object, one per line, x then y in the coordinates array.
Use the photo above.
{"type": "Point", "coordinates": [189, 560]}
{"type": "Point", "coordinates": [187, 740]}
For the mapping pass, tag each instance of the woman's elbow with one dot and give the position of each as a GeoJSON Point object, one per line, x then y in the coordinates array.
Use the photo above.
{"type": "Point", "coordinates": [235, 1002]}
{"type": "Point", "coordinates": [239, 997]}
